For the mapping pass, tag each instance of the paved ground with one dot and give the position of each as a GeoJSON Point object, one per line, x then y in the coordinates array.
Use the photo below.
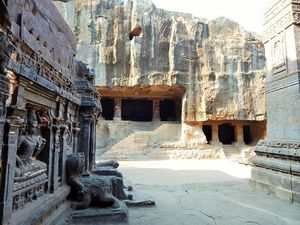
{"type": "Point", "coordinates": [196, 192]}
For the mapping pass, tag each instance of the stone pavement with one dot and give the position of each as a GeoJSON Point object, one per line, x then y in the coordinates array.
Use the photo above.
{"type": "Point", "coordinates": [196, 192]}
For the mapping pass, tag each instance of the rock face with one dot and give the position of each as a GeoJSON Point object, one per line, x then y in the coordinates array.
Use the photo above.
{"type": "Point", "coordinates": [221, 66]}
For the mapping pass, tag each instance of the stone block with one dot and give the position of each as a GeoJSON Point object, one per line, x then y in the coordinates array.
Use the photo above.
{"type": "Point", "coordinates": [101, 216]}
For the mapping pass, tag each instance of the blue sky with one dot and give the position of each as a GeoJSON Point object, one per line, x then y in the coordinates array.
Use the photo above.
{"type": "Point", "coordinates": [247, 13]}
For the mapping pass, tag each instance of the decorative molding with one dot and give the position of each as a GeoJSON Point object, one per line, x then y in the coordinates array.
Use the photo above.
{"type": "Point", "coordinates": [283, 83]}
{"type": "Point", "coordinates": [30, 195]}
{"type": "Point", "coordinates": [278, 149]}
{"type": "Point", "coordinates": [46, 83]}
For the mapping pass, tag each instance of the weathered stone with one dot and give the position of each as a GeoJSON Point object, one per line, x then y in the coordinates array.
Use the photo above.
{"type": "Point", "coordinates": [277, 161]}
{"type": "Point", "coordinates": [220, 65]}
{"type": "Point", "coordinates": [46, 99]}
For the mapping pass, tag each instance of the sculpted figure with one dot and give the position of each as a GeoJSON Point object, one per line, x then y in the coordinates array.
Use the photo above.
{"type": "Point", "coordinates": [109, 168]}
{"type": "Point", "coordinates": [88, 190]}
{"type": "Point", "coordinates": [29, 146]}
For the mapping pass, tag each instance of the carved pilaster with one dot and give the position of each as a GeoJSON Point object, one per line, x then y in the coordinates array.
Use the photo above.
{"type": "Point", "coordinates": [76, 130]}
{"type": "Point", "coordinates": [9, 150]}
{"type": "Point", "coordinates": [55, 179]}
{"type": "Point", "coordinates": [86, 136]}
{"type": "Point", "coordinates": [63, 152]}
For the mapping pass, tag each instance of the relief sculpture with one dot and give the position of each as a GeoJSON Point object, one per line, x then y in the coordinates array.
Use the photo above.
{"type": "Point", "coordinates": [29, 147]}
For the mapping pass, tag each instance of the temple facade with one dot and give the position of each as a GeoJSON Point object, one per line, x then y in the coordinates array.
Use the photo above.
{"type": "Point", "coordinates": [49, 111]}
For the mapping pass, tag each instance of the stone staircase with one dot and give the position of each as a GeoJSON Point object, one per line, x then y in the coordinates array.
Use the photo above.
{"type": "Point", "coordinates": [243, 154]}
{"type": "Point", "coordinates": [231, 151]}
{"type": "Point", "coordinates": [137, 144]}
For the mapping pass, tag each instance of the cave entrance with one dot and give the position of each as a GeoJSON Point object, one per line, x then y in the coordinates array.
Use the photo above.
{"type": "Point", "coordinates": [207, 130]}
{"type": "Point", "coordinates": [107, 108]}
{"type": "Point", "coordinates": [226, 133]}
{"type": "Point", "coordinates": [137, 110]}
{"type": "Point", "coordinates": [247, 134]}
{"type": "Point", "coordinates": [168, 110]}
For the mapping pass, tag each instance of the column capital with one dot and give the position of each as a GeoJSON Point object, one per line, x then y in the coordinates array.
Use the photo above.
{"type": "Point", "coordinates": [14, 121]}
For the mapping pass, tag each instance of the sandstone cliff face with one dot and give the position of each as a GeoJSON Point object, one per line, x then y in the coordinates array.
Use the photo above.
{"type": "Point", "coordinates": [218, 62]}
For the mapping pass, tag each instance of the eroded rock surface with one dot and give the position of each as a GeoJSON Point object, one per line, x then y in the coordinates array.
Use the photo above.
{"type": "Point", "coordinates": [219, 63]}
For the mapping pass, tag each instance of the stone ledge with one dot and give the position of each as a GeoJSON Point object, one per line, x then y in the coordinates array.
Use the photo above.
{"type": "Point", "coordinates": [97, 216]}
{"type": "Point", "coordinates": [283, 185]}
{"type": "Point", "coordinates": [40, 210]}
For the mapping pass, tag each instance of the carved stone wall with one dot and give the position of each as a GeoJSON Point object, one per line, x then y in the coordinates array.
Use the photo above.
{"type": "Point", "coordinates": [277, 161]}
{"type": "Point", "coordinates": [42, 91]}
{"type": "Point", "coordinates": [219, 64]}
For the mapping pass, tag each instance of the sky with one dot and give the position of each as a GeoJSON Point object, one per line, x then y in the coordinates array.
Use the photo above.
{"type": "Point", "coordinates": [247, 13]}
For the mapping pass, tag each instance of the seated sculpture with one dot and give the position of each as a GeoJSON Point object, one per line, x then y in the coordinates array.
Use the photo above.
{"type": "Point", "coordinates": [91, 190]}
{"type": "Point", "coordinates": [29, 146]}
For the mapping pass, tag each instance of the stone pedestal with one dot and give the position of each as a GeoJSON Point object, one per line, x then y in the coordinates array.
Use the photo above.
{"type": "Point", "coordinates": [277, 160]}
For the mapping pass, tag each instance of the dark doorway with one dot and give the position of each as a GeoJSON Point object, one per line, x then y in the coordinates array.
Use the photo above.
{"type": "Point", "coordinates": [137, 109]}
{"type": "Point", "coordinates": [168, 110]}
{"type": "Point", "coordinates": [207, 130]}
{"type": "Point", "coordinates": [247, 134]}
{"type": "Point", "coordinates": [226, 134]}
{"type": "Point", "coordinates": [107, 108]}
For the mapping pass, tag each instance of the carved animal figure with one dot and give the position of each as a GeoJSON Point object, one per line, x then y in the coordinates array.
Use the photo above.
{"type": "Point", "coordinates": [88, 190]}
{"type": "Point", "coordinates": [135, 32]}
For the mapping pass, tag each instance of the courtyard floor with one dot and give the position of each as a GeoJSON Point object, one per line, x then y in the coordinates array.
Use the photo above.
{"type": "Point", "coordinates": [196, 192]}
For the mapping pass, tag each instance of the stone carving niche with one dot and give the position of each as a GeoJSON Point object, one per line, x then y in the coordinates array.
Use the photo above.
{"type": "Point", "coordinates": [30, 173]}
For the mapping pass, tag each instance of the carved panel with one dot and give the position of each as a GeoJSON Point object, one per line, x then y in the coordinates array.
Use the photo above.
{"type": "Point", "coordinates": [278, 149]}
{"type": "Point", "coordinates": [22, 198]}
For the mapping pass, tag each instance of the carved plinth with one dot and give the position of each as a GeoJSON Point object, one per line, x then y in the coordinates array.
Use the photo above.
{"type": "Point", "coordinates": [277, 161]}
{"type": "Point", "coordinates": [104, 215]}
{"type": "Point", "coordinates": [277, 168]}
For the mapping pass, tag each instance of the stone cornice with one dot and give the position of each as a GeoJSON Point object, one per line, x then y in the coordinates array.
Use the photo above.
{"type": "Point", "coordinates": [280, 16]}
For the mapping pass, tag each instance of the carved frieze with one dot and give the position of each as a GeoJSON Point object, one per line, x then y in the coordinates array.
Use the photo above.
{"type": "Point", "coordinates": [274, 26]}
{"type": "Point", "coordinates": [290, 150]}
{"type": "Point", "coordinates": [282, 83]}
{"type": "Point", "coordinates": [33, 66]}
{"type": "Point", "coordinates": [30, 195]}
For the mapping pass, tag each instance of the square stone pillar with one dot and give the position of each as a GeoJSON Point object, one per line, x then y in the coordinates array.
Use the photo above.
{"type": "Point", "coordinates": [277, 161]}
{"type": "Point", "coordinates": [56, 148]}
{"type": "Point", "coordinates": [156, 110]}
{"type": "Point", "coordinates": [118, 109]}
{"type": "Point", "coordinates": [85, 142]}
{"type": "Point", "coordinates": [215, 135]}
{"type": "Point", "coordinates": [239, 135]}
{"type": "Point", "coordinates": [75, 130]}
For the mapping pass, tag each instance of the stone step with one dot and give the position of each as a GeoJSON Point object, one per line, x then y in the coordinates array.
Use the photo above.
{"type": "Point", "coordinates": [101, 216]}
{"type": "Point", "coordinates": [135, 144]}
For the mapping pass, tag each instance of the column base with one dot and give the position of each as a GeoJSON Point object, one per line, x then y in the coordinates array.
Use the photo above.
{"type": "Point", "coordinates": [239, 144]}
{"type": "Point", "coordinates": [216, 143]}
{"type": "Point", "coordinates": [284, 186]}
